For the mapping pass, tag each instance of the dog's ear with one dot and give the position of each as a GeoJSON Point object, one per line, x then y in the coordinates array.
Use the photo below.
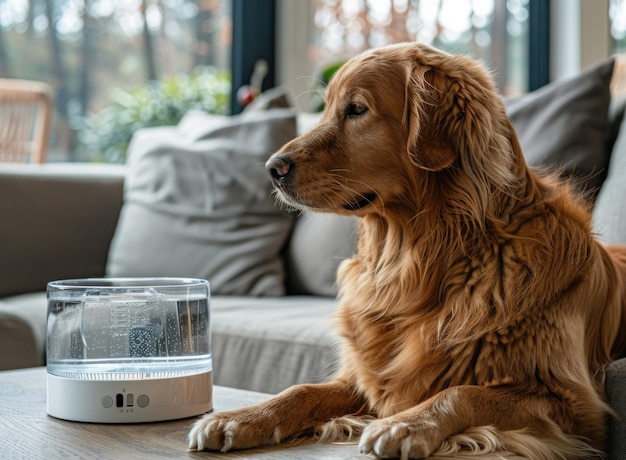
{"type": "Point", "coordinates": [454, 114]}
{"type": "Point", "coordinates": [429, 145]}
{"type": "Point", "coordinates": [445, 111]}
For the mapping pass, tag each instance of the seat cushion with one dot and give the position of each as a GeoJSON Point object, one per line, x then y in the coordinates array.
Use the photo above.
{"type": "Point", "coordinates": [263, 344]}
{"type": "Point", "coordinates": [268, 344]}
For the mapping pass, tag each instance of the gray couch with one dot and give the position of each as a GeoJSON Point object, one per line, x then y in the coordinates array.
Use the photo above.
{"type": "Point", "coordinates": [193, 200]}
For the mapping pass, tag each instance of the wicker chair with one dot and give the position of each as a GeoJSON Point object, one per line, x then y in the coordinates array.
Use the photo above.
{"type": "Point", "coordinates": [26, 109]}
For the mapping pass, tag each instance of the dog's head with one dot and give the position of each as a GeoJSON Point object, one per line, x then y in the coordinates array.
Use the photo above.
{"type": "Point", "coordinates": [399, 122]}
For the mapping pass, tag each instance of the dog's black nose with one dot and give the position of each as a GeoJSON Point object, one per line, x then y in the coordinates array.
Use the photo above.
{"type": "Point", "coordinates": [279, 168]}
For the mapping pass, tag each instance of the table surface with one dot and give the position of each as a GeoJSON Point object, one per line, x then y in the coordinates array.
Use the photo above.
{"type": "Point", "coordinates": [27, 431]}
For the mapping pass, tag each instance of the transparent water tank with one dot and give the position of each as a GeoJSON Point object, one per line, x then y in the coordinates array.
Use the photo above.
{"type": "Point", "coordinates": [128, 350]}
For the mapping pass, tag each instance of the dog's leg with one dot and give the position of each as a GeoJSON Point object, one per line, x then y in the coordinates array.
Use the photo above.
{"type": "Point", "coordinates": [484, 420]}
{"type": "Point", "coordinates": [294, 412]}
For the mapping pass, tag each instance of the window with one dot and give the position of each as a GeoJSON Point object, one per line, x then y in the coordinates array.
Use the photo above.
{"type": "Point", "coordinates": [494, 31]}
{"type": "Point", "coordinates": [88, 49]}
{"type": "Point", "coordinates": [617, 16]}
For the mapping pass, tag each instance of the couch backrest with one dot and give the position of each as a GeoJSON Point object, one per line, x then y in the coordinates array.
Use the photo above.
{"type": "Point", "coordinates": [56, 222]}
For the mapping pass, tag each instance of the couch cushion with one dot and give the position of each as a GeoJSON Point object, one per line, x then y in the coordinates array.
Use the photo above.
{"type": "Point", "coordinates": [616, 116]}
{"type": "Point", "coordinates": [318, 244]}
{"type": "Point", "coordinates": [198, 203]}
{"type": "Point", "coordinates": [609, 213]}
{"type": "Point", "coordinates": [615, 385]}
{"type": "Point", "coordinates": [566, 124]}
{"type": "Point", "coordinates": [268, 344]}
{"type": "Point", "coordinates": [263, 344]}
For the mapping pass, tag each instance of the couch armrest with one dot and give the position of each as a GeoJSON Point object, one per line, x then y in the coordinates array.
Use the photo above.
{"type": "Point", "coordinates": [615, 389]}
{"type": "Point", "coordinates": [18, 347]}
{"type": "Point", "coordinates": [57, 221]}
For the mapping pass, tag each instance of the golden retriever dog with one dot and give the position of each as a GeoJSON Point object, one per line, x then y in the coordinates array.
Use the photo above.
{"type": "Point", "coordinates": [479, 312]}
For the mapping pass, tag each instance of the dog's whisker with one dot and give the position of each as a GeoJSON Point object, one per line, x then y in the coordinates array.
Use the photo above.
{"type": "Point", "coordinates": [313, 78]}
{"type": "Point", "coordinates": [310, 91]}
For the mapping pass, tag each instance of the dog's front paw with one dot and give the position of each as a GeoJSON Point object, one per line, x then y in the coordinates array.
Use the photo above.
{"type": "Point", "coordinates": [387, 438]}
{"type": "Point", "coordinates": [226, 431]}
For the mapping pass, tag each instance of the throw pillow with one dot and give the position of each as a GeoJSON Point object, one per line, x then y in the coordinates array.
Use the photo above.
{"type": "Point", "coordinates": [609, 212]}
{"type": "Point", "coordinates": [318, 244]}
{"type": "Point", "coordinates": [565, 125]}
{"type": "Point", "coordinates": [198, 203]}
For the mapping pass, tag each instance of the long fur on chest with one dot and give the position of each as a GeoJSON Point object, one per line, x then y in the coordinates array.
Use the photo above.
{"type": "Point", "coordinates": [418, 316]}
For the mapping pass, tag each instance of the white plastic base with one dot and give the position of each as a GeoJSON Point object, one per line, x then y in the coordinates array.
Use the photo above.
{"type": "Point", "coordinates": [130, 401]}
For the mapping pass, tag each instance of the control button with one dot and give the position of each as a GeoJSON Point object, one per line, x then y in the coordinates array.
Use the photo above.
{"type": "Point", "coordinates": [143, 400]}
{"type": "Point", "coordinates": [107, 402]}
{"type": "Point", "coordinates": [129, 400]}
{"type": "Point", "coordinates": [119, 400]}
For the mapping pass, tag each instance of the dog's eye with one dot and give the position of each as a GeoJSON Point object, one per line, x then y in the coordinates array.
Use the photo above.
{"type": "Point", "coordinates": [355, 110]}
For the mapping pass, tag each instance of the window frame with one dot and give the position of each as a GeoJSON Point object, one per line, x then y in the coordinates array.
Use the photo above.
{"type": "Point", "coordinates": [539, 43]}
{"type": "Point", "coordinates": [254, 38]}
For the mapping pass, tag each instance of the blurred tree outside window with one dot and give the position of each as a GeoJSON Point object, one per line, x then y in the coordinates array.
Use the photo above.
{"type": "Point", "coordinates": [494, 31]}
{"type": "Point", "coordinates": [617, 18]}
{"type": "Point", "coordinates": [144, 62]}
{"type": "Point", "coordinates": [144, 57]}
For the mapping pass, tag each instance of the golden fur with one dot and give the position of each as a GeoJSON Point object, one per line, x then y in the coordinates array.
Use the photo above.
{"type": "Point", "coordinates": [479, 312]}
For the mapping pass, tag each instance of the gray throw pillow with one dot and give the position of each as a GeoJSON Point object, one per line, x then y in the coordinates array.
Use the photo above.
{"type": "Point", "coordinates": [565, 125]}
{"type": "Point", "coordinates": [318, 244]}
{"type": "Point", "coordinates": [609, 213]}
{"type": "Point", "coordinates": [198, 203]}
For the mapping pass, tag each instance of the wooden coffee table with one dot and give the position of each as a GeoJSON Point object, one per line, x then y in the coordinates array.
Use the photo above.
{"type": "Point", "coordinates": [26, 431]}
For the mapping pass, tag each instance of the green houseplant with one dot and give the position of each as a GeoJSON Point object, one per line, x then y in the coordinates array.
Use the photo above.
{"type": "Point", "coordinates": [104, 136]}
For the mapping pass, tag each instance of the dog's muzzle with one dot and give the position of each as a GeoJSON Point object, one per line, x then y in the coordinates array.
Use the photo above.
{"type": "Point", "coordinates": [280, 169]}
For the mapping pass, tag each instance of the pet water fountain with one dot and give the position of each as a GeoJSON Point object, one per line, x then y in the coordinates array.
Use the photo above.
{"type": "Point", "coordinates": [128, 350]}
